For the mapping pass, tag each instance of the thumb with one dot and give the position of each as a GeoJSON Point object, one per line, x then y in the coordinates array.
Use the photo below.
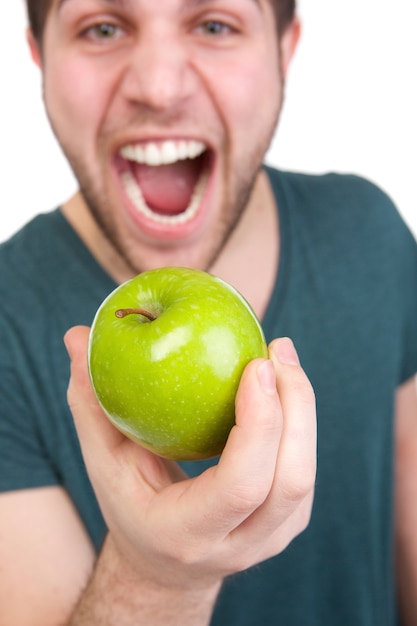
{"type": "Point", "coordinates": [97, 435]}
{"type": "Point", "coordinates": [76, 343]}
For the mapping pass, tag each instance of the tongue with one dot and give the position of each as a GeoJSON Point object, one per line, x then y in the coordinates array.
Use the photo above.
{"type": "Point", "coordinates": [167, 189]}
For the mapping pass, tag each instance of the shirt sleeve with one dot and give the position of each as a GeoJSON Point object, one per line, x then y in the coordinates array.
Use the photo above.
{"type": "Point", "coordinates": [24, 461]}
{"type": "Point", "coordinates": [408, 290]}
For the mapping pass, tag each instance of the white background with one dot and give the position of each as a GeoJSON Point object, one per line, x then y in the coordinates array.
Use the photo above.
{"type": "Point", "coordinates": [351, 106]}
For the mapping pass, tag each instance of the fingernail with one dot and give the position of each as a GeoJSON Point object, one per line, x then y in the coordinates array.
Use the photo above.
{"type": "Point", "coordinates": [266, 376]}
{"type": "Point", "coordinates": [285, 351]}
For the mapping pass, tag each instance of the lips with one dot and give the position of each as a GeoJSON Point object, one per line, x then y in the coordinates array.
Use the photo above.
{"type": "Point", "coordinates": [165, 181]}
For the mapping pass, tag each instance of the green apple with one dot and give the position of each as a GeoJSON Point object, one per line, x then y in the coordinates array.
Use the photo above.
{"type": "Point", "coordinates": [166, 353]}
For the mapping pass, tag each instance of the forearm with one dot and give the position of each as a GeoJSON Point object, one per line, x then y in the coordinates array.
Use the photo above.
{"type": "Point", "coordinates": [117, 594]}
{"type": "Point", "coordinates": [406, 502]}
{"type": "Point", "coordinates": [407, 586]}
{"type": "Point", "coordinates": [406, 537]}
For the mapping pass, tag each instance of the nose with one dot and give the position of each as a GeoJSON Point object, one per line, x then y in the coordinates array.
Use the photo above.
{"type": "Point", "coordinates": [159, 74]}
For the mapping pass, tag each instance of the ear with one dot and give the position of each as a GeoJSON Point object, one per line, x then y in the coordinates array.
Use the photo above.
{"type": "Point", "coordinates": [288, 44]}
{"type": "Point", "coordinates": [33, 47]}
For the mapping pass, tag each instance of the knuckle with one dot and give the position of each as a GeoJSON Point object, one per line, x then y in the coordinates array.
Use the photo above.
{"type": "Point", "coordinates": [302, 387]}
{"type": "Point", "coordinates": [305, 511]}
{"type": "Point", "coordinates": [246, 498]}
{"type": "Point", "coordinates": [299, 485]}
{"type": "Point", "coordinates": [191, 553]}
{"type": "Point", "coordinates": [241, 561]}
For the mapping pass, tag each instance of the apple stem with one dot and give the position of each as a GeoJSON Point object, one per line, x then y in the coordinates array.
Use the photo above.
{"type": "Point", "coordinates": [124, 312]}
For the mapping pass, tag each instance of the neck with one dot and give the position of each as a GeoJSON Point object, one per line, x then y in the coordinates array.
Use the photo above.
{"type": "Point", "coordinates": [249, 261]}
{"type": "Point", "coordinates": [79, 216]}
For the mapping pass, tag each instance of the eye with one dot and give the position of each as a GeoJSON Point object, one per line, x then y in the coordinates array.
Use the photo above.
{"type": "Point", "coordinates": [214, 27]}
{"type": "Point", "coordinates": [104, 32]}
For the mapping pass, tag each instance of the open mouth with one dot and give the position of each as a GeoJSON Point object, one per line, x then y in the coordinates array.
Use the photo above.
{"type": "Point", "coordinates": [165, 181]}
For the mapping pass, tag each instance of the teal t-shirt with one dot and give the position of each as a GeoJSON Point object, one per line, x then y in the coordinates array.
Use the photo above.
{"type": "Point", "coordinates": [346, 292]}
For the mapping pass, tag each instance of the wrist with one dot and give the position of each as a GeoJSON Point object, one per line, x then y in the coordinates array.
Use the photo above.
{"type": "Point", "coordinates": [124, 591]}
{"type": "Point", "coordinates": [158, 576]}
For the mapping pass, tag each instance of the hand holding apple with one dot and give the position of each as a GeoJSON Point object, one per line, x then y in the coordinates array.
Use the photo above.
{"type": "Point", "coordinates": [167, 350]}
{"type": "Point", "coordinates": [179, 534]}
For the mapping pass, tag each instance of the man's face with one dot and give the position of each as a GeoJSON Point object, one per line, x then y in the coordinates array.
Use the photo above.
{"type": "Point", "coordinates": [165, 109]}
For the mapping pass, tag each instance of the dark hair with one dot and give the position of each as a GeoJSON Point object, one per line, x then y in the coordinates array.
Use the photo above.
{"type": "Point", "coordinates": [38, 10]}
{"type": "Point", "coordinates": [285, 12]}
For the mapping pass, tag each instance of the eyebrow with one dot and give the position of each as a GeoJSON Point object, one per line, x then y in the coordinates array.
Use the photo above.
{"type": "Point", "coordinates": [191, 3]}
{"type": "Point", "coordinates": [198, 2]}
{"type": "Point", "coordinates": [61, 3]}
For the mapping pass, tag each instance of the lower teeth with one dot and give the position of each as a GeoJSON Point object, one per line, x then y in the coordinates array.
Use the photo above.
{"type": "Point", "coordinates": [135, 195]}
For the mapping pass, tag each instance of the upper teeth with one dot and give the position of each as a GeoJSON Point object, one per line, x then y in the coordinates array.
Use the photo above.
{"type": "Point", "coordinates": [163, 153]}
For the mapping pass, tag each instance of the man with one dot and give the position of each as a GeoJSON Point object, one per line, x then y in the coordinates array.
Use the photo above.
{"type": "Point", "coordinates": [165, 111]}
